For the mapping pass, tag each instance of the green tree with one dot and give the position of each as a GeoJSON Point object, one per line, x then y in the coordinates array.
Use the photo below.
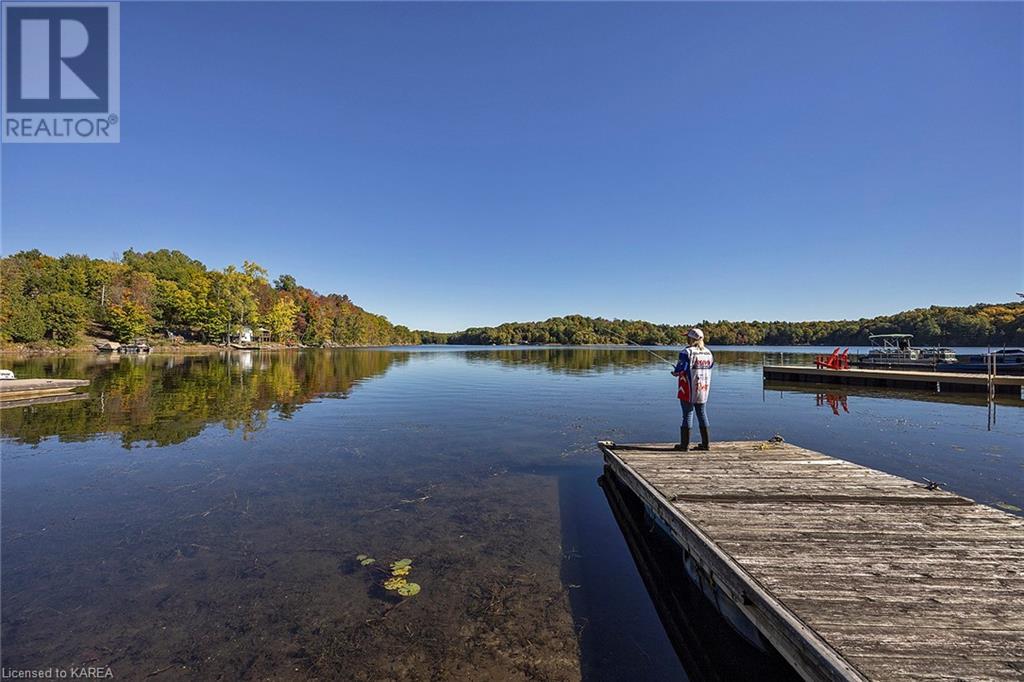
{"type": "Point", "coordinates": [64, 317]}
{"type": "Point", "coordinates": [164, 264]}
{"type": "Point", "coordinates": [128, 320]}
{"type": "Point", "coordinates": [174, 306]}
{"type": "Point", "coordinates": [285, 283]}
{"type": "Point", "coordinates": [25, 322]}
{"type": "Point", "coordinates": [233, 300]}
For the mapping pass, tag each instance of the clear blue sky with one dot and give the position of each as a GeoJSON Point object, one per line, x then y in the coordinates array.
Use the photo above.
{"type": "Point", "coordinates": [450, 165]}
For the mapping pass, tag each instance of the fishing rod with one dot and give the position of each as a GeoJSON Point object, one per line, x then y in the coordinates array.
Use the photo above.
{"type": "Point", "coordinates": [622, 338]}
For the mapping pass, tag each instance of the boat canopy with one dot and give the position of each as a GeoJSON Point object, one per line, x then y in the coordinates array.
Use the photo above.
{"type": "Point", "coordinates": [887, 344]}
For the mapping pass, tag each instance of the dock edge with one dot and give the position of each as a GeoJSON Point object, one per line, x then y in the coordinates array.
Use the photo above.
{"type": "Point", "coordinates": [810, 655]}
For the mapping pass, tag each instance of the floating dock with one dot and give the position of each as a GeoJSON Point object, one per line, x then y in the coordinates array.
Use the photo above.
{"type": "Point", "coordinates": [850, 573]}
{"type": "Point", "coordinates": [897, 378]}
{"type": "Point", "coordinates": [22, 389]}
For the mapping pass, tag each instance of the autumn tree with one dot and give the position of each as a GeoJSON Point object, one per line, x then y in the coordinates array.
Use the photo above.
{"type": "Point", "coordinates": [128, 320]}
{"type": "Point", "coordinates": [281, 319]}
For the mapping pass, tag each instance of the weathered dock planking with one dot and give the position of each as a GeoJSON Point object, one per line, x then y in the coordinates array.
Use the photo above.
{"type": "Point", "coordinates": [20, 389]}
{"type": "Point", "coordinates": [851, 573]}
{"type": "Point", "coordinates": [898, 378]}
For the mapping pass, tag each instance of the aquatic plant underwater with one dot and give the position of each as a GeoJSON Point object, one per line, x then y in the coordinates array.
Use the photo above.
{"type": "Point", "coordinates": [396, 580]}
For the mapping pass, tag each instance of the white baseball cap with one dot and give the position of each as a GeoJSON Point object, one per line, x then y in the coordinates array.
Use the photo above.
{"type": "Point", "coordinates": [695, 333]}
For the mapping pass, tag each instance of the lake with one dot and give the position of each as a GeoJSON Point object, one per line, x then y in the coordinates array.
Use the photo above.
{"type": "Point", "coordinates": [201, 515]}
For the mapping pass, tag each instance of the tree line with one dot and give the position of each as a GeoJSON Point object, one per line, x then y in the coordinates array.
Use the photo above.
{"type": "Point", "coordinates": [977, 325]}
{"type": "Point", "coordinates": [167, 293]}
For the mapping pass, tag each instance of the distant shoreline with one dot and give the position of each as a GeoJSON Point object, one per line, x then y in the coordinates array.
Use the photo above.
{"type": "Point", "coordinates": [190, 348]}
{"type": "Point", "coordinates": [187, 347]}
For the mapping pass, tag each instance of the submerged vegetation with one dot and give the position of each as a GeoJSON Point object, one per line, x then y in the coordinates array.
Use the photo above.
{"type": "Point", "coordinates": [397, 579]}
{"type": "Point", "coordinates": [167, 293]}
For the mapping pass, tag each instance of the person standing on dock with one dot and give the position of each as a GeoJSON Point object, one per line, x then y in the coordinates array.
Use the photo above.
{"type": "Point", "coordinates": [694, 373]}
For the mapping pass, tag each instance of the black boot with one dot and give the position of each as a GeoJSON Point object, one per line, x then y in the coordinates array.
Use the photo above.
{"type": "Point", "coordinates": [705, 439]}
{"type": "Point", "coordinates": [684, 438]}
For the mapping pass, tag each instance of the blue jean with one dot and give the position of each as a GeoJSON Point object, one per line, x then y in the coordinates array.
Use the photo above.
{"type": "Point", "coordinates": [689, 409]}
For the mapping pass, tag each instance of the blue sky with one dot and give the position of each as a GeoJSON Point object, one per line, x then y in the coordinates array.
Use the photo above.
{"type": "Point", "coordinates": [457, 164]}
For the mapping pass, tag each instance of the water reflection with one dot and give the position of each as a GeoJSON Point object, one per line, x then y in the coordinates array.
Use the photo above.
{"type": "Point", "coordinates": [164, 400]}
{"type": "Point", "coordinates": [228, 552]}
{"type": "Point", "coordinates": [167, 399]}
{"type": "Point", "coordinates": [834, 401]}
{"type": "Point", "coordinates": [566, 360]}
{"type": "Point", "coordinates": [841, 396]}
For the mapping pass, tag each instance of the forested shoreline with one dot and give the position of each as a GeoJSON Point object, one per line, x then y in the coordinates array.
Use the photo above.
{"type": "Point", "coordinates": [50, 301]}
{"type": "Point", "coordinates": [47, 300]}
{"type": "Point", "coordinates": [977, 325]}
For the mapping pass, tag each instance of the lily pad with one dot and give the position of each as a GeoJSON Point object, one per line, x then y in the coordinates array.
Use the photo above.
{"type": "Point", "coordinates": [360, 557]}
{"type": "Point", "coordinates": [367, 561]}
{"type": "Point", "coordinates": [395, 583]}
{"type": "Point", "coordinates": [409, 590]}
{"type": "Point", "coordinates": [400, 563]}
{"type": "Point", "coordinates": [401, 570]}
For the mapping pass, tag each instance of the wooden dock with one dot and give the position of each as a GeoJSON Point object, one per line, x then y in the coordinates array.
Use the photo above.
{"type": "Point", "coordinates": [896, 378]}
{"type": "Point", "coordinates": [21, 389]}
{"type": "Point", "coordinates": [851, 573]}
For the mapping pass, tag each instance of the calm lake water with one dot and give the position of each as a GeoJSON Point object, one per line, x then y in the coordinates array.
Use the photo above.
{"type": "Point", "coordinates": [199, 516]}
